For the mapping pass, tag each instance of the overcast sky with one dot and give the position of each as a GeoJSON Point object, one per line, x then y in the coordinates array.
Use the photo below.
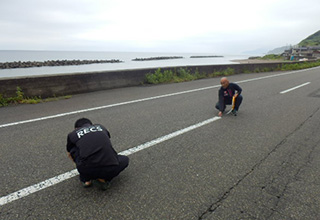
{"type": "Point", "coordinates": [204, 26]}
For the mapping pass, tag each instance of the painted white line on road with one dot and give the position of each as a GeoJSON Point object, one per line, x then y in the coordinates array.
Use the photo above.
{"type": "Point", "coordinates": [62, 177]}
{"type": "Point", "coordinates": [296, 87]}
{"type": "Point", "coordinates": [37, 187]}
{"type": "Point", "coordinates": [146, 99]}
{"type": "Point", "coordinates": [275, 75]}
{"type": "Point", "coordinates": [167, 137]}
{"type": "Point", "coordinates": [106, 106]}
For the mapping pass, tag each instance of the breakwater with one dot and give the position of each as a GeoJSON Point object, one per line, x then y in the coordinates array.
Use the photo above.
{"type": "Point", "coordinates": [28, 64]}
{"type": "Point", "coordinates": [69, 84]}
{"type": "Point", "coordinates": [157, 58]}
{"type": "Point", "coordinates": [213, 56]}
{"type": "Point", "coordinates": [172, 57]}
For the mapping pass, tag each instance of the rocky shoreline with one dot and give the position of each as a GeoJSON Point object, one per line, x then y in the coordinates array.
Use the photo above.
{"type": "Point", "coordinates": [28, 64]}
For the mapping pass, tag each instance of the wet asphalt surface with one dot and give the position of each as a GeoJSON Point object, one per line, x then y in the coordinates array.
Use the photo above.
{"type": "Point", "coordinates": [261, 164]}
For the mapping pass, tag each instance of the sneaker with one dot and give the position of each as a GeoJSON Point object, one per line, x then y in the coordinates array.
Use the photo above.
{"type": "Point", "coordinates": [87, 184]}
{"type": "Point", "coordinates": [234, 112]}
{"type": "Point", "coordinates": [103, 185]}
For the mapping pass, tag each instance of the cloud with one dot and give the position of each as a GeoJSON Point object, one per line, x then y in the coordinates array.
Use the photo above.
{"type": "Point", "coordinates": [142, 25]}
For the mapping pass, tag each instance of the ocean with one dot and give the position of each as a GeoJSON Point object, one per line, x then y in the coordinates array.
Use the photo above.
{"type": "Point", "coordinates": [126, 57]}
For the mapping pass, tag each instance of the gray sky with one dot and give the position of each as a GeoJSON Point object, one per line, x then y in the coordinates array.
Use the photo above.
{"type": "Point", "coordinates": [204, 26]}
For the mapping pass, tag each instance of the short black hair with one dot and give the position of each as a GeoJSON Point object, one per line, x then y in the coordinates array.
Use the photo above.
{"type": "Point", "coordinates": [82, 121]}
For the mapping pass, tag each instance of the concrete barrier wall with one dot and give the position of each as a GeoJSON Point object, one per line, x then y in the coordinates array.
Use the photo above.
{"type": "Point", "coordinates": [69, 84]}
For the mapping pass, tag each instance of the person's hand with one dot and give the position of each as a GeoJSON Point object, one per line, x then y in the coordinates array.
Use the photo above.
{"type": "Point", "coordinates": [69, 155]}
{"type": "Point", "coordinates": [236, 95]}
{"type": "Point", "coordinates": [220, 114]}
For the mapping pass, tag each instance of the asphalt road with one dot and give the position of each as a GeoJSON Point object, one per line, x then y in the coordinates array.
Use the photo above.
{"type": "Point", "coordinates": [261, 164]}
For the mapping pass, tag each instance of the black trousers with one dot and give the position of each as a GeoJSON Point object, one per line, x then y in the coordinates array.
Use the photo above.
{"type": "Point", "coordinates": [107, 173]}
{"type": "Point", "coordinates": [236, 106]}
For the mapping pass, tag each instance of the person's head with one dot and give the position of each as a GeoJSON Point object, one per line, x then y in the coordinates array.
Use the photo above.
{"type": "Point", "coordinates": [82, 121]}
{"type": "Point", "coordinates": [224, 82]}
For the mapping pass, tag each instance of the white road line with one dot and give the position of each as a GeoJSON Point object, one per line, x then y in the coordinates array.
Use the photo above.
{"type": "Point", "coordinates": [146, 99]}
{"type": "Point", "coordinates": [167, 137]}
{"type": "Point", "coordinates": [289, 90]}
{"type": "Point", "coordinates": [275, 75]}
{"type": "Point", "coordinates": [62, 177]}
{"type": "Point", "coordinates": [106, 106]}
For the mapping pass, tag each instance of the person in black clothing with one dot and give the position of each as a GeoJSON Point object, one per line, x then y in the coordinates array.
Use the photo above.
{"type": "Point", "coordinates": [90, 148]}
{"type": "Point", "coordinates": [226, 92]}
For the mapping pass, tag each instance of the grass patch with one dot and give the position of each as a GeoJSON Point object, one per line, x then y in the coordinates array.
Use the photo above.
{"type": "Point", "coordinates": [182, 75]}
{"type": "Point", "coordinates": [299, 66]}
{"type": "Point", "coordinates": [173, 76]}
{"type": "Point", "coordinates": [21, 99]}
{"type": "Point", "coordinates": [272, 57]}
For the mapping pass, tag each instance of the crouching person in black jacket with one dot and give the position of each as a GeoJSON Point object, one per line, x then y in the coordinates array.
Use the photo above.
{"type": "Point", "coordinates": [90, 148]}
{"type": "Point", "coordinates": [226, 92]}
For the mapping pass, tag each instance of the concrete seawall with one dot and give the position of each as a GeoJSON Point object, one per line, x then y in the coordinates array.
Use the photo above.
{"type": "Point", "coordinates": [69, 84]}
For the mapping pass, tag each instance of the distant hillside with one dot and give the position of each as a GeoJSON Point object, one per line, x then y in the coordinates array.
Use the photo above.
{"type": "Point", "coordinates": [279, 50]}
{"type": "Point", "coordinates": [312, 40]}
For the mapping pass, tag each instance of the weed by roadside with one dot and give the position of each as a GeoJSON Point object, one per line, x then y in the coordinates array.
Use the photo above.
{"type": "Point", "coordinates": [21, 99]}
{"type": "Point", "coordinates": [182, 75]}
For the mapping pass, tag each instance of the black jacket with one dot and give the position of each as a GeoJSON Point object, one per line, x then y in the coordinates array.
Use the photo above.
{"type": "Point", "coordinates": [225, 95]}
{"type": "Point", "coordinates": [90, 146]}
